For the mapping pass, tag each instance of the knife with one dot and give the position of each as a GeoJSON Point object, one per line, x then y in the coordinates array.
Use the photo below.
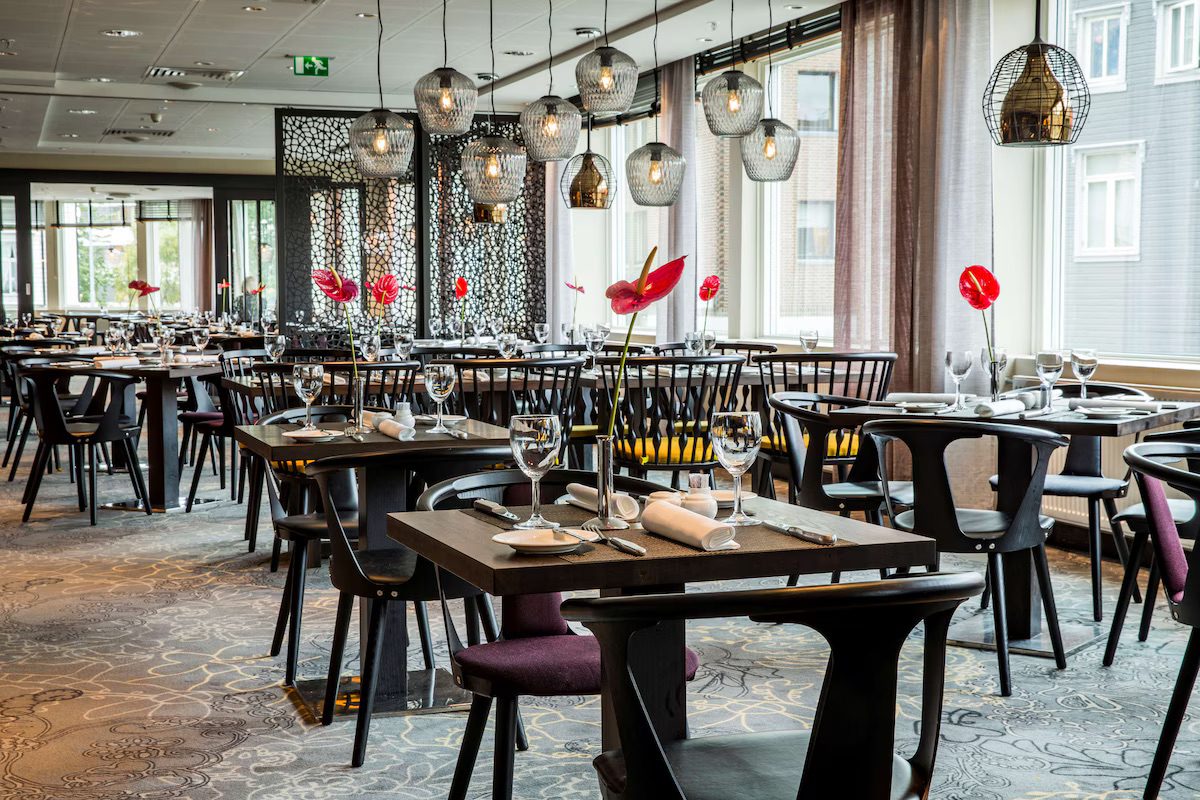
{"type": "Point", "coordinates": [625, 546]}
{"type": "Point", "coordinates": [816, 537]}
{"type": "Point", "coordinates": [495, 509]}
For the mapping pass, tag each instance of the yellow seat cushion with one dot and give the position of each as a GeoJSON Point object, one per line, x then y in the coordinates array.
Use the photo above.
{"type": "Point", "coordinates": [845, 447]}
{"type": "Point", "coordinates": [584, 431]}
{"type": "Point", "coordinates": [289, 467]}
{"type": "Point", "coordinates": [673, 450]}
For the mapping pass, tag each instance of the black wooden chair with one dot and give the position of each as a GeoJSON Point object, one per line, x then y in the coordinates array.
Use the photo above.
{"type": "Point", "coordinates": [494, 390]}
{"type": "Point", "coordinates": [424, 353]}
{"type": "Point", "coordinates": [536, 654]}
{"type": "Point", "coordinates": [386, 383]}
{"type": "Point", "coordinates": [746, 350]}
{"type": "Point", "coordinates": [556, 350]}
{"type": "Point", "coordinates": [276, 388]}
{"type": "Point", "coordinates": [1153, 465]}
{"type": "Point", "coordinates": [850, 750]}
{"type": "Point", "coordinates": [310, 355]}
{"type": "Point", "coordinates": [964, 530]}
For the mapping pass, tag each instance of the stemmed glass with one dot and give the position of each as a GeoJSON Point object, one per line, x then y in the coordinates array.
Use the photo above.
{"type": "Point", "coordinates": [535, 440]}
{"type": "Point", "coordinates": [958, 365]}
{"type": "Point", "coordinates": [404, 345]}
{"type": "Point", "coordinates": [112, 339]}
{"type": "Point", "coordinates": [494, 325]}
{"type": "Point", "coordinates": [1084, 362]}
{"type": "Point", "coordinates": [506, 343]}
{"type": "Point", "coordinates": [809, 339]}
{"type": "Point", "coordinates": [439, 382]}
{"type": "Point", "coordinates": [1049, 368]}
{"type": "Point", "coordinates": [736, 438]}
{"type": "Point", "coordinates": [369, 346]}
{"type": "Point", "coordinates": [694, 342]}
{"type": "Point", "coordinates": [594, 338]}
{"type": "Point", "coordinates": [477, 328]}
{"type": "Point", "coordinates": [166, 337]}
{"type": "Point", "coordinates": [309, 380]}
{"type": "Point", "coordinates": [200, 338]}
{"type": "Point", "coordinates": [541, 332]}
{"type": "Point", "coordinates": [127, 335]}
{"type": "Point", "coordinates": [568, 332]}
{"type": "Point", "coordinates": [435, 328]}
{"type": "Point", "coordinates": [275, 348]}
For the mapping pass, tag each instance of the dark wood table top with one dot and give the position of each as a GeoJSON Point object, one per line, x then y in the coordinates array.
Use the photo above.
{"type": "Point", "coordinates": [461, 542]}
{"type": "Point", "coordinates": [269, 442]}
{"type": "Point", "coordinates": [1067, 422]}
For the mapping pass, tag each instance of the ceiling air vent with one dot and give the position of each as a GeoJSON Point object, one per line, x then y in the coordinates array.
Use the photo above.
{"type": "Point", "coordinates": [144, 134]}
{"type": "Point", "coordinates": [205, 73]}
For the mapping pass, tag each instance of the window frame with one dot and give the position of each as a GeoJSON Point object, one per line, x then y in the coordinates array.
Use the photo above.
{"type": "Point", "coordinates": [1165, 37]}
{"type": "Point", "coordinates": [1084, 18]}
{"type": "Point", "coordinates": [1108, 253]}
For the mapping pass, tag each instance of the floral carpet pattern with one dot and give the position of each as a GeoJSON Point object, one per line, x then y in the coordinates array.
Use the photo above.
{"type": "Point", "coordinates": [133, 665]}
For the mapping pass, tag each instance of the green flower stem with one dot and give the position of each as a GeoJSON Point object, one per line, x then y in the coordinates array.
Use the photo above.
{"type": "Point", "coordinates": [353, 352]}
{"type": "Point", "coordinates": [704, 329]}
{"type": "Point", "coordinates": [612, 414]}
{"type": "Point", "coordinates": [988, 336]}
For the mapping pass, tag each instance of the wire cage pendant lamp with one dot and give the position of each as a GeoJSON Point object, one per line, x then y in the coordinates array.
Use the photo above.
{"type": "Point", "coordinates": [587, 180]}
{"type": "Point", "coordinates": [655, 171]}
{"type": "Point", "coordinates": [445, 98]}
{"type": "Point", "coordinates": [493, 166]}
{"type": "Point", "coordinates": [733, 101]}
{"type": "Point", "coordinates": [1037, 95]}
{"type": "Point", "coordinates": [606, 77]}
{"type": "Point", "coordinates": [381, 141]}
{"type": "Point", "coordinates": [550, 124]}
{"type": "Point", "coordinates": [769, 151]}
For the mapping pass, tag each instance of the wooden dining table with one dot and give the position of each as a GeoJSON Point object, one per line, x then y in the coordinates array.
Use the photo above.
{"type": "Point", "coordinates": [460, 541]}
{"type": "Point", "coordinates": [1014, 466]}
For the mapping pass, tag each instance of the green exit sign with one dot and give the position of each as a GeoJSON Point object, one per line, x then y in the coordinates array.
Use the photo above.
{"type": "Point", "coordinates": [317, 66]}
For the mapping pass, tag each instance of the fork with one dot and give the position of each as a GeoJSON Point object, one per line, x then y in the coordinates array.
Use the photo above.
{"type": "Point", "coordinates": [615, 542]}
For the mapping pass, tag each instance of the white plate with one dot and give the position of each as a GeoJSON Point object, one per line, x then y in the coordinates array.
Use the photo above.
{"type": "Point", "coordinates": [923, 406]}
{"type": "Point", "coordinates": [543, 541]}
{"type": "Point", "coordinates": [318, 434]}
{"type": "Point", "coordinates": [431, 419]}
{"type": "Point", "coordinates": [1105, 411]}
{"type": "Point", "coordinates": [724, 497]}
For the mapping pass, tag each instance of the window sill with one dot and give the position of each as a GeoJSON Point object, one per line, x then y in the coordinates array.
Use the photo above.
{"type": "Point", "coordinates": [1183, 76]}
{"type": "Point", "coordinates": [1155, 375]}
{"type": "Point", "coordinates": [1095, 257]}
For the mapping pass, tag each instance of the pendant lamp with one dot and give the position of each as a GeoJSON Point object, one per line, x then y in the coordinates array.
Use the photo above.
{"type": "Point", "coordinates": [587, 180]}
{"type": "Point", "coordinates": [655, 171]}
{"type": "Point", "coordinates": [1037, 95]}
{"type": "Point", "coordinates": [381, 142]}
{"type": "Point", "coordinates": [445, 98]}
{"type": "Point", "coordinates": [769, 151]}
{"type": "Point", "coordinates": [550, 124]}
{"type": "Point", "coordinates": [733, 100]}
{"type": "Point", "coordinates": [606, 77]}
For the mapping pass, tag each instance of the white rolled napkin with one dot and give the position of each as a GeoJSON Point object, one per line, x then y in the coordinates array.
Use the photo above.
{"type": "Point", "coordinates": [195, 358]}
{"type": "Point", "coordinates": [1030, 398]}
{"type": "Point", "coordinates": [989, 408]}
{"type": "Point", "coordinates": [109, 362]}
{"type": "Point", "coordinates": [919, 397]}
{"type": "Point", "coordinates": [90, 351]}
{"type": "Point", "coordinates": [372, 418]}
{"type": "Point", "coordinates": [1152, 407]}
{"type": "Point", "coordinates": [34, 336]}
{"type": "Point", "coordinates": [586, 497]}
{"type": "Point", "coordinates": [389, 427]}
{"type": "Point", "coordinates": [688, 527]}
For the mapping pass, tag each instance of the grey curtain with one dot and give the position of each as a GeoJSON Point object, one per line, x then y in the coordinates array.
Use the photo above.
{"type": "Point", "coordinates": [200, 212]}
{"type": "Point", "coordinates": [560, 265]}
{"type": "Point", "coordinates": [914, 181]}
{"type": "Point", "coordinates": [677, 313]}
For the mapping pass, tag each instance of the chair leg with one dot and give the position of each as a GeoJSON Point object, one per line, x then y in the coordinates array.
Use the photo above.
{"type": "Point", "coordinates": [370, 674]}
{"type": "Point", "coordinates": [77, 475]}
{"type": "Point", "coordinates": [242, 468]}
{"type": "Point", "coordinates": [1042, 565]}
{"type": "Point", "coordinates": [487, 616]}
{"type": "Point", "coordinates": [22, 438]}
{"type": "Point", "coordinates": [468, 751]}
{"type": "Point", "coordinates": [281, 621]}
{"type": "Point", "coordinates": [37, 459]}
{"type": "Point", "coordinates": [1097, 558]}
{"type": "Point", "coordinates": [341, 628]}
{"type": "Point", "coordinates": [472, 625]}
{"type": "Point", "coordinates": [233, 468]}
{"type": "Point", "coordinates": [794, 580]}
{"type": "Point", "coordinates": [183, 445]}
{"type": "Point", "coordinates": [1175, 713]}
{"type": "Point", "coordinates": [1000, 614]}
{"type": "Point", "coordinates": [108, 467]}
{"type": "Point", "coordinates": [506, 741]}
{"type": "Point", "coordinates": [205, 446]}
{"type": "Point", "coordinates": [297, 568]}
{"type": "Point", "coordinates": [987, 589]}
{"type": "Point", "coordinates": [275, 548]}
{"type": "Point", "coordinates": [137, 489]}
{"type": "Point", "coordinates": [35, 482]}
{"type": "Point", "coordinates": [15, 423]}
{"type": "Point", "coordinates": [254, 507]}
{"type": "Point", "coordinates": [522, 739]}
{"type": "Point", "coordinates": [1118, 534]}
{"type": "Point", "coordinates": [1122, 608]}
{"type": "Point", "coordinates": [1148, 606]}
{"type": "Point", "coordinates": [422, 614]}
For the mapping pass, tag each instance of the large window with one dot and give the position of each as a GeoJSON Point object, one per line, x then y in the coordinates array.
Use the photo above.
{"type": "Point", "coordinates": [637, 228]}
{"type": "Point", "coordinates": [718, 178]}
{"type": "Point", "coordinates": [1178, 39]}
{"type": "Point", "coordinates": [1125, 212]}
{"type": "Point", "coordinates": [252, 250]}
{"type": "Point", "coordinates": [98, 261]}
{"type": "Point", "coordinates": [1102, 34]}
{"type": "Point", "coordinates": [170, 262]}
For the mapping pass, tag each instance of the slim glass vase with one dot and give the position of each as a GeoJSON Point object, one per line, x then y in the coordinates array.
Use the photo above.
{"type": "Point", "coordinates": [357, 388]}
{"type": "Point", "coordinates": [995, 378]}
{"type": "Point", "coordinates": [604, 487]}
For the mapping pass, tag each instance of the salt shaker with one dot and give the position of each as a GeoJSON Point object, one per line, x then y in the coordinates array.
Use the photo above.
{"type": "Point", "coordinates": [699, 498]}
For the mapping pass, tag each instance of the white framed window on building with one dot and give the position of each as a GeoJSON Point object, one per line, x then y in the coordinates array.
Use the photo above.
{"type": "Point", "coordinates": [1108, 192]}
{"type": "Point", "coordinates": [816, 100]}
{"type": "Point", "coordinates": [1102, 33]}
{"type": "Point", "coordinates": [1178, 51]}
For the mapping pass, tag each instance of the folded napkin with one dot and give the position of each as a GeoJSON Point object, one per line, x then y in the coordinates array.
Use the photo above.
{"type": "Point", "coordinates": [996, 408]}
{"type": "Point", "coordinates": [1152, 407]}
{"type": "Point", "coordinates": [195, 358]}
{"type": "Point", "coordinates": [688, 527]}
{"type": "Point", "coordinates": [1030, 398]}
{"type": "Point", "coordinates": [34, 336]}
{"type": "Point", "coordinates": [372, 418]}
{"type": "Point", "coordinates": [919, 397]}
{"type": "Point", "coordinates": [109, 362]}
{"type": "Point", "coordinates": [623, 505]}
{"type": "Point", "coordinates": [389, 427]}
{"type": "Point", "coordinates": [90, 351]}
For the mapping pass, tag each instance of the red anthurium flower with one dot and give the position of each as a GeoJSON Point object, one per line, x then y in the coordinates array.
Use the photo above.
{"type": "Point", "coordinates": [629, 298]}
{"type": "Point", "coordinates": [138, 285]}
{"type": "Point", "coordinates": [148, 289]}
{"type": "Point", "coordinates": [335, 287]}
{"type": "Point", "coordinates": [979, 286]}
{"type": "Point", "coordinates": [574, 288]}
{"type": "Point", "coordinates": [460, 288]}
{"type": "Point", "coordinates": [385, 290]}
{"type": "Point", "coordinates": [259, 290]}
{"type": "Point", "coordinates": [709, 288]}
{"type": "Point", "coordinates": [223, 285]}
{"type": "Point", "coordinates": [408, 288]}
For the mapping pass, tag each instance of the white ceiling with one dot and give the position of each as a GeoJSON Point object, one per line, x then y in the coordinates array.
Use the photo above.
{"type": "Point", "coordinates": [60, 51]}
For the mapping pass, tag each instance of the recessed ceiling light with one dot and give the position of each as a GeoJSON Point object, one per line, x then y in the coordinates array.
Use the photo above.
{"type": "Point", "coordinates": [213, 130]}
{"type": "Point", "coordinates": [486, 77]}
{"type": "Point", "coordinates": [521, 53]}
{"type": "Point", "coordinates": [794, 8]}
{"type": "Point", "coordinates": [590, 33]}
{"type": "Point", "coordinates": [7, 53]}
{"type": "Point", "coordinates": [69, 135]}
{"type": "Point", "coordinates": [99, 80]}
{"type": "Point", "coordinates": [704, 39]}
{"type": "Point", "coordinates": [121, 33]}
{"type": "Point", "coordinates": [203, 63]}
{"type": "Point", "coordinates": [86, 112]}
{"type": "Point", "coordinates": [365, 15]}
{"type": "Point", "coordinates": [253, 9]}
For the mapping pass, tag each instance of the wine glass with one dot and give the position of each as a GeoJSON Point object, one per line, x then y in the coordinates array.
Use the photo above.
{"type": "Point", "coordinates": [1084, 363]}
{"type": "Point", "coordinates": [594, 338]}
{"type": "Point", "coordinates": [404, 346]}
{"type": "Point", "coordinates": [506, 343]}
{"type": "Point", "coordinates": [568, 332]}
{"type": "Point", "coordinates": [1048, 365]}
{"type": "Point", "coordinates": [477, 328]}
{"type": "Point", "coordinates": [439, 382]}
{"type": "Point", "coordinates": [308, 380]}
{"type": "Point", "coordinates": [535, 440]}
{"type": "Point", "coordinates": [541, 332]}
{"type": "Point", "coordinates": [435, 329]}
{"type": "Point", "coordinates": [127, 335]}
{"type": "Point", "coordinates": [369, 347]}
{"type": "Point", "coordinates": [200, 338]}
{"type": "Point", "coordinates": [736, 438]}
{"type": "Point", "coordinates": [112, 340]}
{"type": "Point", "coordinates": [694, 342]}
{"type": "Point", "coordinates": [708, 341]}
{"type": "Point", "coordinates": [494, 325]}
{"type": "Point", "coordinates": [958, 365]}
{"type": "Point", "coordinates": [275, 348]}
{"type": "Point", "coordinates": [809, 339]}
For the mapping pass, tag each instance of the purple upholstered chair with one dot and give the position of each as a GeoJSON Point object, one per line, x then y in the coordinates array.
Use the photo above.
{"type": "Point", "coordinates": [1153, 466]}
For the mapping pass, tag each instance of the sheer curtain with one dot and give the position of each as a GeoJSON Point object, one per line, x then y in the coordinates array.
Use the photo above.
{"type": "Point", "coordinates": [914, 180]}
{"type": "Point", "coordinates": [560, 265]}
{"type": "Point", "coordinates": [200, 212]}
{"type": "Point", "coordinates": [677, 313]}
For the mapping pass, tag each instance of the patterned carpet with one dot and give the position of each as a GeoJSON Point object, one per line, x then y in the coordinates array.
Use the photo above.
{"type": "Point", "coordinates": [133, 665]}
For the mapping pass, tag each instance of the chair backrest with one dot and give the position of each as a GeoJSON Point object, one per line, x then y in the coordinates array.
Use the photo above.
{"type": "Point", "coordinates": [865, 624]}
{"type": "Point", "coordinates": [665, 406]}
{"type": "Point", "coordinates": [237, 363]}
{"type": "Point", "coordinates": [113, 390]}
{"type": "Point", "coordinates": [1153, 465]}
{"type": "Point", "coordinates": [386, 383]}
{"type": "Point", "coordinates": [310, 354]}
{"type": "Point", "coordinates": [933, 502]}
{"type": "Point", "coordinates": [275, 385]}
{"type": "Point", "coordinates": [425, 353]}
{"type": "Point", "coordinates": [746, 350]}
{"type": "Point", "coordinates": [1100, 390]}
{"type": "Point", "coordinates": [494, 390]}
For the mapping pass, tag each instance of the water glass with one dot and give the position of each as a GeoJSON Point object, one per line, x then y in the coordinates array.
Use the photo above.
{"type": "Point", "coordinates": [594, 338]}
{"type": "Point", "coordinates": [1048, 365]}
{"type": "Point", "coordinates": [275, 348]}
{"type": "Point", "coordinates": [439, 383]}
{"type": "Point", "coordinates": [369, 347]}
{"type": "Point", "coordinates": [541, 332]}
{"type": "Point", "coordinates": [536, 440]}
{"type": "Point", "coordinates": [404, 345]}
{"type": "Point", "coordinates": [435, 329]}
{"type": "Point", "coordinates": [736, 439]}
{"type": "Point", "coordinates": [958, 365]}
{"type": "Point", "coordinates": [506, 343]}
{"type": "Point", "coordinates": [568, 332]}
{"type": "Point", "coordinates": [113, 339]}
{"type": "Point", "coordinates": [200, 337]}
{"type": "Point", "coordinates": [477, 328]}
{"type": "Point", "coordinates": [694, 342]}
{"type": "Point", "coordinates": [809, 339]}
{"type": "Point", "coordinates": [309, 381]}
{"type": "Point", "coordinates": [1084, 362]}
